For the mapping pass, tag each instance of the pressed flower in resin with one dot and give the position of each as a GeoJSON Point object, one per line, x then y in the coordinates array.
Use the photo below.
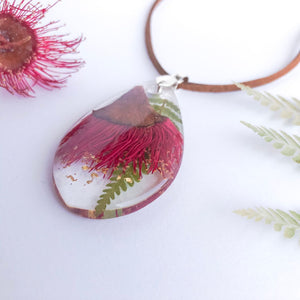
{"type": "Point", "coordinates": [120, 157]}
{"type": "Point", "coordinates": [29, 54]}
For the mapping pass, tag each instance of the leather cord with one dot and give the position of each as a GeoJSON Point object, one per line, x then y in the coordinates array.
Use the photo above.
{"type": "Point", "coordinates": [215, 88]}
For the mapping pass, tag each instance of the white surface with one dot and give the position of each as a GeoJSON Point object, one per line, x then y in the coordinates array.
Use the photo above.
{"type": "Point", "coordinates": [187, 244]}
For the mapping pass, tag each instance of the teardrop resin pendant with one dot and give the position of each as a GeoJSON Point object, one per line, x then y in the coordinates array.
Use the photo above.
{"type": "Point", "coordinates": [121, 156]}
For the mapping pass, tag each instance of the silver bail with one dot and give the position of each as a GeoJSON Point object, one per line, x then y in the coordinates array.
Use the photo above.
{"type": "Point", "coordinates": [165, 81]}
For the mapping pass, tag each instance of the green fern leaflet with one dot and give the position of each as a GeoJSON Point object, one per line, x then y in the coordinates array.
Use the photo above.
{"type": "Point", "coordinates": [289, 108]}
{"type": "Point", "coordinates": [168, 109]}
{"type": "Point", "coordinates": [290, 221]}
{"type": "Point", "coordinates": [119, 181]}
{"type": "Point", "coordinates": [289, 145]}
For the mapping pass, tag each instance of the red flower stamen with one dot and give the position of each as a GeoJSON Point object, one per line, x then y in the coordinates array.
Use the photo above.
{"type": "Point", "coordinates": [127, 131]}
{"type": "Point", "coordinates": [28, 56]}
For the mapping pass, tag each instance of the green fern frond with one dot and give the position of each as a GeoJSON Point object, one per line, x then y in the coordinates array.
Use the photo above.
{"type": "Point", "coordinates": [171, 105]}
{"type": "Point", "coordinates": [288, 144]}
{"type": "Point", "coordinates": [289, 108]}
{"type": "Point", "coordinates": [289, 221]}
{"type": "Point", "coordinates": [168, 109]}
{"type": "Point", "coordinates": [120, 181]}
{"type": "Point", "coordinates": [165, 111]}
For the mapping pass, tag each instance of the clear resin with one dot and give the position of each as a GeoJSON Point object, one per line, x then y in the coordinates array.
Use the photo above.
{"type": "Point", "coordinates": [122, 155]}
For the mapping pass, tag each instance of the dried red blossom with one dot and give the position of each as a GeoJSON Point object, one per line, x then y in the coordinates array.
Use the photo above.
{"type": "Point", "coordinates": [126, 131]}
{"type": "Point", "coordinates": [28, 55]}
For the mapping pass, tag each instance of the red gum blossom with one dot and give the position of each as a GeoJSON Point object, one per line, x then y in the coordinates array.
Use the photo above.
{"type": "Point", "coordinates": [102, 142]}
{"type": "Point", "coordinates": [28, 55]}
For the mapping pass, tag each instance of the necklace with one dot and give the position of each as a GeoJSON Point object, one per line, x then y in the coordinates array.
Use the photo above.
{"type": "Point", "coordinates": [124, 154]}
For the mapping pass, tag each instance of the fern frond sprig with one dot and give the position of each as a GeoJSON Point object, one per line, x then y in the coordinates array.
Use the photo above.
{"type": "Point", "coordinates": [171, 105]}
{"type": "Point", "coordinates": [289, 108]}
{"type": "Point", "coordinates": [288, 144]}
{"type": "Point", "coordinates": [289, 221]}
{"type": "Point", "coordinates": [168, 109]}
{"type": "Point", "coordinates": [120, 181]}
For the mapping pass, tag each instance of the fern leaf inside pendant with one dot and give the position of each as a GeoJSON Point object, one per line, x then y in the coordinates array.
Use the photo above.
{"type": "Point", "coordinates": [121, 156]}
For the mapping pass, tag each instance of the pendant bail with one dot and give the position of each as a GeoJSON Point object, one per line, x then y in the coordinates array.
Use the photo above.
{"type": "Point", "coordinates": [166, 81]}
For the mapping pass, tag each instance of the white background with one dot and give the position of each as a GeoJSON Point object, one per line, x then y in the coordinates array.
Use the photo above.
{"type": "Point", "coordinates": [187, 244]}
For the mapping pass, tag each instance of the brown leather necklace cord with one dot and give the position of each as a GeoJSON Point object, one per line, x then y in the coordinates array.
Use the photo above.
{"type": "Point", "coordinates": [215, 88]}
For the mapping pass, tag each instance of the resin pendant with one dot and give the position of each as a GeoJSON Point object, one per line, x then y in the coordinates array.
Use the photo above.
{"type": "Point", "coordinates": [121, 156]}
